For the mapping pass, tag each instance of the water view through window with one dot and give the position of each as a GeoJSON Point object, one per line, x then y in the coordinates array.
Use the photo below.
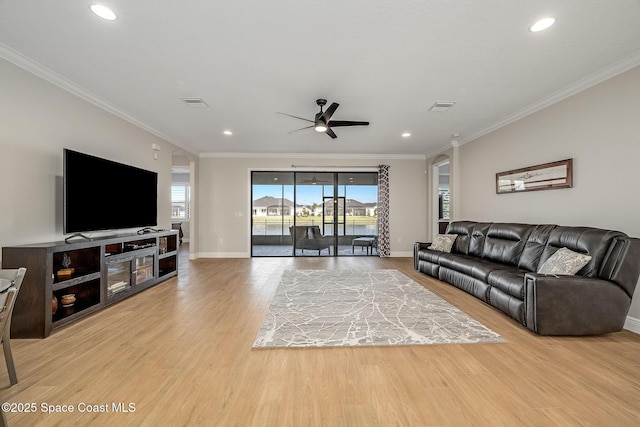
{"type": "Point", "coordinates": [314, 213]}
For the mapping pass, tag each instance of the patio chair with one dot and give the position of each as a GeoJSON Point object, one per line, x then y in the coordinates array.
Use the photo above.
{"type": "Point", "coordinates": [309, 237]}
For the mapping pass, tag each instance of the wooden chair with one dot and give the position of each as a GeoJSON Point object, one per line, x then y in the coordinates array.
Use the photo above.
{"type": "Point", "coordinates": [10, 282]}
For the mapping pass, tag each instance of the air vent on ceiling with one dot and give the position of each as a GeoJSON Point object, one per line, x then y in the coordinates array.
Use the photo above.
{"type": "Point", "coordinates": [195, 103]}
{"type": "Point", "coordinates": [441, 106]}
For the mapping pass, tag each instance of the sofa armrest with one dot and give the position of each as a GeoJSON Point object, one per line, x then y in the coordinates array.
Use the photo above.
{"type": "Point", "coordinates": [573, 305]}
{"type": "Point", "coordinates": [418, 246]}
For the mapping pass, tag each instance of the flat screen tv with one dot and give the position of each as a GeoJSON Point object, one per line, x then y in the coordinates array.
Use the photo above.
{"type": "Point", "coordinates": [101, 194]}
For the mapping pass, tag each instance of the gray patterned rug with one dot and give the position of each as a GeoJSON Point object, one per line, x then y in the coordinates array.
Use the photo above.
{"type": "Point", "coordinates": [340, 308]}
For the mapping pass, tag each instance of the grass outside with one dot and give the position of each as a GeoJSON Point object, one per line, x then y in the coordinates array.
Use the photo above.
{"type": "Point", "coordinates": [279, 225]}
{"type": "Point", "coordinates": [313, 220]}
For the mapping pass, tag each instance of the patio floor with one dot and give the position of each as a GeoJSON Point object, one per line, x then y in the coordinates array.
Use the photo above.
{"type": "Point", "coordinates": [285, 250]}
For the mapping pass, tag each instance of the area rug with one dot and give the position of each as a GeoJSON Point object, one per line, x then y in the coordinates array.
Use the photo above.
{"type": "Point", "coordinates": [341, 308]}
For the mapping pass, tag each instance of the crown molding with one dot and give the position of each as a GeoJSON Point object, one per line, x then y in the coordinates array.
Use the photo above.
{"type": "Point", "coordinates": [607, 73]}
{"type": "Point", "coordinates": [315, 156]}
{"type": "Point", "coordinates": [67, 85]}
{"type": "Point", "coordinates": [56, 79]}
{"type": "Point", "coordinates": [440, 150]}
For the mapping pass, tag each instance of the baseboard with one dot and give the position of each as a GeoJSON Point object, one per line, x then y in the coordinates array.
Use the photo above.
{"type": "Point", "coordinates": [402, 254]}
{"type": "Point", "coordinates": [396, 254]}
{"type": "Point", "coordinates": [223, 255]}
{"type": "Point", "coordinates": [632, 324]}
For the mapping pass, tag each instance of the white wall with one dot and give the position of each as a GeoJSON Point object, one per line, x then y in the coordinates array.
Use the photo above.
{"type": "Point", "coordinates": [38, 120]}
{"type": "Point", "coordinates": [600, 129]}
{"type": "Point", "coordinates": [224, 197]}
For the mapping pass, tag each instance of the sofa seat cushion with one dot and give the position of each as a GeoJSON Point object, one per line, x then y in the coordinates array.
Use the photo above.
{"type": "Point", "coordinates": [470, 265]}
{"type": "Point", "coordinates": [509, 305]}
{"type": "Point", "coordinates": [509, 281]}
{"type": "Point", "coordinates": [430, 255]}
{"type": "Point", "coordinates": [470, 285]}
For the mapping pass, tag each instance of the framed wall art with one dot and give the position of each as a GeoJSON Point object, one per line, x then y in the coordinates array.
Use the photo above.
{"type": "Point", "coordinates": [547, 176]}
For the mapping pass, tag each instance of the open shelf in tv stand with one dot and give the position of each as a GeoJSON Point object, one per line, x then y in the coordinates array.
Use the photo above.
{"type": "Point", "coordinates": [98, 273]}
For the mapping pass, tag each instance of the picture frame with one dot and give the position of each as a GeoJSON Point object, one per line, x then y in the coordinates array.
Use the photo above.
{"type": "Point", "coordinates": [547, 176]}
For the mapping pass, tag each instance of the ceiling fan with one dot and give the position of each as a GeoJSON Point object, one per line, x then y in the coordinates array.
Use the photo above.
{"type": "Point", "coordinates": [313, 180]}
{"type": "Point", "coordinates": [323, 122]}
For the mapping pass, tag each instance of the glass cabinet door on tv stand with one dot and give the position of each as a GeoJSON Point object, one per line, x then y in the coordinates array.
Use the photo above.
{"type": "Point", "coordinates": [144, 269]}
{"type": "Point", "coordinates": [118, 276]}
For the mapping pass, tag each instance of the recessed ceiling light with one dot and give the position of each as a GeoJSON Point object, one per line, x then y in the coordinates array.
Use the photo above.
{"type": "Point", "coordinates": [442, 106]}
{"type": "Point", "coordinates": [195, 103]}
{"type": "Point", "coordinates": [406, 135]}
{"type": "Point", "coordinates": [542, 25]}
{"type": "Point", "coordinates": [228, 132]}
{"type": "Point", "coordinates": [103, 12]}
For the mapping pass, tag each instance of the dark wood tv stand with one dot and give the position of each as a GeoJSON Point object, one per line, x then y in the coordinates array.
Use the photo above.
{"type": "Point", "coordinates": [97, 272]}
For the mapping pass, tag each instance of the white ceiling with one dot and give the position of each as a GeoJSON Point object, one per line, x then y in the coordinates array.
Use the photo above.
{"type": "Point", "coordinates": [385, 62]}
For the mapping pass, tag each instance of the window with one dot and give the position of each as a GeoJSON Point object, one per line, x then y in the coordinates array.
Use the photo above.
{"type": "Point", "coordinates": [333, 207]}
{"type": "Point", "coordinates": [180, 198]}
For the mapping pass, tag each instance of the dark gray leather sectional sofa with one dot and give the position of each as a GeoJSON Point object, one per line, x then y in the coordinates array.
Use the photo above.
{"type": "Point", "coordinates": [497, 263]}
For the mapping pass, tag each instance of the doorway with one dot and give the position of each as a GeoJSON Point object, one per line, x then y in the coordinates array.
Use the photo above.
{"type": "Point", "coordinates": [441, 191]}
{"type": "Point", "coordinates": [313, 213]}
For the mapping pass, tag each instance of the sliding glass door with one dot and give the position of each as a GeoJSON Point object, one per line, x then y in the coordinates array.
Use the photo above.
{"type": "Point", "coordinates": [314, 235]}
{"type": "Point", "coordinates": [314, 213]}
{"type": "Point", "coordinates": [272, 213]}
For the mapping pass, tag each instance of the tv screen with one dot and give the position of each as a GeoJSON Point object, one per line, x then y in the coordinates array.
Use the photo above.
{"type": "Point", "coordinates": [101, 194]}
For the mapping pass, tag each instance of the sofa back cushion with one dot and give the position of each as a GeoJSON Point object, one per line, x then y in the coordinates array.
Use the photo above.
{"type": "Point", "coordinates": [478, 237]}
{"type": "Point", "coordinates": [504, 243]}
{"type": "Point", "coordinates": [585, 240]}
{"type": "Point", "coordinates": [533, 248]}
{"type": "Point", "coordinates": [471, 236]}
{"type": "Point", "coordinates": [464, 230]}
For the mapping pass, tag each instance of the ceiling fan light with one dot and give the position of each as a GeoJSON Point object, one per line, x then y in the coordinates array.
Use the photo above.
{"type": "Point", "coordinates": [542, 25]}
{"type": "Point", "coordinates": [321, 127]}
{"type": "Point", "coordinates": [103, 12]}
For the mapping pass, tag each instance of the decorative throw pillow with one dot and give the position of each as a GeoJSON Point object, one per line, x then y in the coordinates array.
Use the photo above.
{"type": "Point", "coordinates": [564, 261]}
{"type": "Point", "coordinates": [443, 242]}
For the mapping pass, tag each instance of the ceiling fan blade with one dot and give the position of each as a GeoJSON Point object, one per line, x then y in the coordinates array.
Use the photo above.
{"type": "Point", "coordinates": [296, 117]}
{"type": "Point", "coordinates": [329, 112]}
{"type": "Point", "coordinates": [336, 123]}
{"type": "Point", "coordinates": [306, 127]}
{"type": "Point", "coordinates": [331, 133]}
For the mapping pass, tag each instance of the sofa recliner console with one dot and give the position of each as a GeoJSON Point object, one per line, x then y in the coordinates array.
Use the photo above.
{"type": "Point", "coordinates": [497, 263]}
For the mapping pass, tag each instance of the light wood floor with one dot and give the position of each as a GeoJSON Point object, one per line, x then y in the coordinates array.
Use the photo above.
{"type": "Point", "coordinates": [181, 353]}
